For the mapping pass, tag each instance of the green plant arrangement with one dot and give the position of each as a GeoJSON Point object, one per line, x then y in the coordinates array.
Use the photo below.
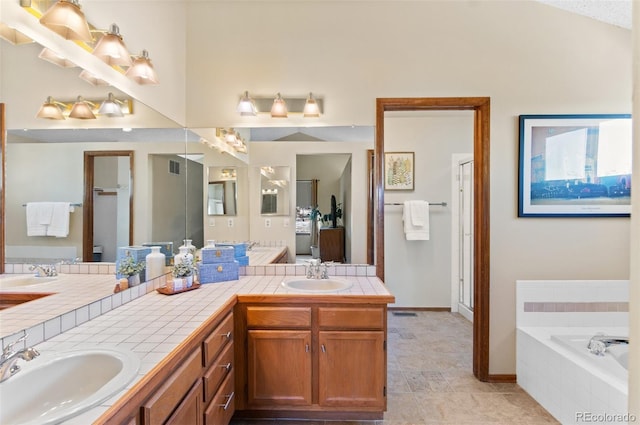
{"type": "Point", "coordinates": [184, 269]}
{"type": "Point", "coordinates": [129, 267]}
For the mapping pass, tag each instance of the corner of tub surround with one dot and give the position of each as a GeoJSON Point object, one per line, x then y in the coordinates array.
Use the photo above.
{"type": "Point", "coordinates": [572, 303]}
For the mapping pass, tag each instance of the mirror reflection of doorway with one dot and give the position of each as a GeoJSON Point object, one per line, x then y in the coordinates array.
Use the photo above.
{"type": "Point", "coordinates": [108, 204]}
{"type": "Point", "coordinates": [306, 228]}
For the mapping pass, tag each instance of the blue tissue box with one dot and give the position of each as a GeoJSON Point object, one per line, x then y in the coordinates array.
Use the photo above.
{"type": "Point", "coordinates": [217, 254]}
{"type": "Point", "coordinates": [166, 248]}
{"type": "Point", "coordinates": [239, 248]}
{"type": "Point", "coordinates": [218, 272]}
{"type": "Point", "coordinates": [243, 261]}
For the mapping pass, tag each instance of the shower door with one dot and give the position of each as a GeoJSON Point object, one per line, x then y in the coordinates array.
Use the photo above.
{"type": "Point", "coordinates": [465, 222]}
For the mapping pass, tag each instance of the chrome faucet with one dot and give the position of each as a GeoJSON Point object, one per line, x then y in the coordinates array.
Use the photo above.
{"type": "Point", "coordinates": [44, 270]}
{"type": "Point", "coordinates": [598, 344]}
{"type": "Point", "coordinates": [9, 358]}
{"type": "Point", "coordinates": [317, 269]}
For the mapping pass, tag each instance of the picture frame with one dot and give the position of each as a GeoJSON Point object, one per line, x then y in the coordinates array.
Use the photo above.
{"type": "Point", "coordinates": [399, 171]}
{"type": "Point", "coordinates": [575, 165]}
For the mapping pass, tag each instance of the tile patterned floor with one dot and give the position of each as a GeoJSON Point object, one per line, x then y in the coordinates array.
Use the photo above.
{"type": "Point", "coordinates": [430, 380]}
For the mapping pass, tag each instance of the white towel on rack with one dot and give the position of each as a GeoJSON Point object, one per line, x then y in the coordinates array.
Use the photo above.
{"type": "Point", "coordinates": [415, 215]}
{"type": "Point", "coordinates": [39, 215]}
{"type": "Point", "coordinates": [59, 226]}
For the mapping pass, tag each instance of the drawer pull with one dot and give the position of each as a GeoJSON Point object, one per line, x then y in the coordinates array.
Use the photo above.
{"type": "Point", "coordinates": [227, 335]}
{"type": "Point", "coordinates": [226, 366]}
{"type": "Point", "coordinates": [226, 405]}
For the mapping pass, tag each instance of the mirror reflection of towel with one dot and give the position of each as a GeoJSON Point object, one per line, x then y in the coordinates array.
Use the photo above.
{"type": "Point", "coordinates": [415, 215]}
{"type": "Point", "coordinates": [48, 219]}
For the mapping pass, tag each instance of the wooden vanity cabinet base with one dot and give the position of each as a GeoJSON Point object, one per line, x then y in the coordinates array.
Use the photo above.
{"type": "Point", "coordinates": [311, 361]}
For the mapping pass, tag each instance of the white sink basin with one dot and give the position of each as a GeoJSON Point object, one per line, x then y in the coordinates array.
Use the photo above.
{"type": "Point", "coordinates": [23, 280]}
{"type": "Point", "coordinates": [55, 387]}
{"type": "Point", "coordinates": [317, 285]}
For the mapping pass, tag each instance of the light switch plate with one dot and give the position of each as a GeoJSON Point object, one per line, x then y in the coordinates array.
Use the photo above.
{"type": "Point", "coordinates": [285, 222]}
{"type": "Point", "coordinates": [212, 221]}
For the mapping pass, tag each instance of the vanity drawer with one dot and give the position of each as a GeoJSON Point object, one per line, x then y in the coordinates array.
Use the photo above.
{"type": "Point", "coordinates": [220, 368]}
{"type": "Point", "coordinates": [221, 408]}
{"type": "Point", "coordinates": [158, 408]}
{"type": "Point", "coordinates": [279, 317]}
{"type": "Point", "coordinates": [218, 339]}
{"type": "Point", "coordinates": [351, 317]}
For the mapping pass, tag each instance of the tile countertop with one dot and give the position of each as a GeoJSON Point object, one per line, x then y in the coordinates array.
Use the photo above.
{"type": "Point", "coordinates": [260, 255]}
{"type": "Point", "coordinates": [153, 325]}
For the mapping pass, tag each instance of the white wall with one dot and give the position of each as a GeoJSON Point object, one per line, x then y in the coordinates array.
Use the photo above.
{"type": "Point", "coordinates": [419, 272]}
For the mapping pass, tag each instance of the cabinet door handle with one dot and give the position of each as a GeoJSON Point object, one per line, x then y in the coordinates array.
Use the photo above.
{"type": "Point", "coordinates": [306, 348]}
{"type": "Point", "coordinates": [226, 405]}
{"type": "Point", "coordinates": [323, 348]}
{"type": "Point", "coordinates": [227, 335]}
{"type": "Point", "coordinates": [226, 366]}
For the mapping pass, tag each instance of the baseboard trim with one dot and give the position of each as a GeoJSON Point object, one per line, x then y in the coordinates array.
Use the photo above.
{"type": "Point", "coordinates": [419, 309]}
{"type": "Point", "coordinates": [502, 379]}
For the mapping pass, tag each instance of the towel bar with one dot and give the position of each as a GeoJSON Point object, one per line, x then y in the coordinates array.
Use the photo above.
{"type": "Point", "coordinates": [72, 205]}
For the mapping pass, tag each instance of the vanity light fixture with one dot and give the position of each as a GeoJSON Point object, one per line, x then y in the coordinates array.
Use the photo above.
{"type": "Point", "coordinates": [92, 79]}
{"type": "Point", "coordinates": [311, 109]}
{"type": "Point", "coordinates": [56, 59]}
{"type": "Point", "coordinates": [111, 49]}
{"type": "Point", "coordinates": [141, 71]}
{"type": "Point", "coordinates": [231, 139]}
{"type": "Point", "coordinates": [65, 18]}
{"type": "Point", "coordinates": [82, 109]}
{"type": "Point", "coordinates": [51, 110]}
{"type": "Point", "coordinates": [279, 107]}
{"type": "Point", "coordinates": [111, 107]}
{"type": "Point", "coordinates": [247, 106]}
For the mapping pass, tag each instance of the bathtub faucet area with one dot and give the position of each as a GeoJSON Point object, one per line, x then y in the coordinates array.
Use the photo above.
{"type": "Point", "coordinates": [598, 344]}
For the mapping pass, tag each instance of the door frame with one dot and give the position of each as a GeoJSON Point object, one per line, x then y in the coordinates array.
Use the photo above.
{"type": "Point", "coordinates": [88, 205]}
{"type": "Point", "coordinates": [481, 145]}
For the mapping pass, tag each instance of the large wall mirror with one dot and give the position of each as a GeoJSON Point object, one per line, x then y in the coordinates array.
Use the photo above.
{"type": "Point", "coordinates": [222, 191]}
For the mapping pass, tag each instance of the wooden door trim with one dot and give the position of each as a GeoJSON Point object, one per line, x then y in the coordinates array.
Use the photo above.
{"type": "Point", "coordinates": [481, 108]}
{"type": "Point", "coordinates": [87, 217]}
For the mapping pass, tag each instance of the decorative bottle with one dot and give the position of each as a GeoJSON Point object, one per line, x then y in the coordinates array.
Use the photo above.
{"type": "Point", "coordinates": [190, 247]}
{"type": "Point", "coordinates": [155, 263]}
{"type": "Point", "coordinates": [184, 255]}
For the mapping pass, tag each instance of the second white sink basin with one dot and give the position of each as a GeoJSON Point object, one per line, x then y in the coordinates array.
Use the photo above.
{"type": "Point", "coordinates": [52, 388]}
{"type": "Point", "coordinates": [23, 280]}
{"type": "Point", "coordinates": [317, 285]}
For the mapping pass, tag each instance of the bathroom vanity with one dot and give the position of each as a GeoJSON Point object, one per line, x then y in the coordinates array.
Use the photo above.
{"type": "Point", "coordinates": [250, 347]}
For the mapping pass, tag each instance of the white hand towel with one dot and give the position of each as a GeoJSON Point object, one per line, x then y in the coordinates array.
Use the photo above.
{"type": "Point", "coordinates": [59, 226]}
{"type": "Point", "coordinates": [39, 216]}
{"type": "Point", "coordinates": [412, 231]}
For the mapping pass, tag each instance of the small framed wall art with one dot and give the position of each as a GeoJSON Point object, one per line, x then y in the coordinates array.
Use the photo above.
{"type": "Point", "coordinates": [399, 170]}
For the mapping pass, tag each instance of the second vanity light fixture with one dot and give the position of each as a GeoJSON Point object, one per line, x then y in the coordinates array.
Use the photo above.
{"type": "Point", "coordinates": [280, 107]}
{"type": "Point", "coordinates": [85, 109]}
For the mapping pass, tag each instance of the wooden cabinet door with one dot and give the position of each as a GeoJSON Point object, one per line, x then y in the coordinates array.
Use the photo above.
{"type": "Point", "coordinates": [190, 409]}
{"type": "Point", "coordinates": [352, 369]}
{"type": "Point", "coordinates": [279, 368]}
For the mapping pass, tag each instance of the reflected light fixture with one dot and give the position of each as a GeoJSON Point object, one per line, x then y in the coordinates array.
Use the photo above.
{"type": "Point", "coordinates": [56, 59]}
{"type": "Point", "coordinates": [13, 36]}
{"type": "Point", "coordinates": [311, 109]}
{"type": "Point", "coordinates": [111, 107]}
{"type": "Point", "coordinates": [51, 110]}
{"type": "Point", "coordinates": [92, 79]}
{"type": "Point", "coordinates": [82, 110]}
{"type": "Point", "coordinates": [66, 19]}
{"type": "Point", "coordinates": [247, 106]}
{"type": "Point", "coordinates": [111, 49]}
{"type": "Point", "coordinates": [279, 108]}
{"type": "Point", "coordinates": [141, 71]}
